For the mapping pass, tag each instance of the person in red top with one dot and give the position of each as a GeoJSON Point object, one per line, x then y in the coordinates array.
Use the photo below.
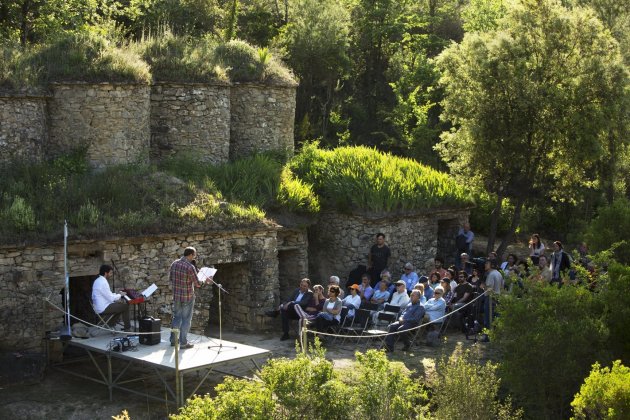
{"type": "Point", "coordinates": [183, 279]}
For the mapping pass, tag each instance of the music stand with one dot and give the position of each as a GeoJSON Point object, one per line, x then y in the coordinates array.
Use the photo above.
{"type": "Point", "coordinates": [205, 274]}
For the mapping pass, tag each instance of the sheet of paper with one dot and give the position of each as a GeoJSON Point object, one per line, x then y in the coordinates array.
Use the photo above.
{"type": "Point", "coordinates": [205, 273]}
{"type": "Point", "coordinates": [149, 290]}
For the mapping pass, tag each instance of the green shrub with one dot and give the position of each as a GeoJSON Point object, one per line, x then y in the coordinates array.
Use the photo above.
{"type": "Point", "coordinates": [302, 387]}
{"type": "Point", "coordinates": [358, 178]}
{"type": "Point", "coordinates": [245, 63]}
{"type": "Point", "coordinates": [20, 215]}
{"type": "Point", "coordinates": [87, 57]}
{"type": "Point", "coordinates": [296, 195]}
{"type": "Point", "coordinates": [383, 390]}
{"type": "Point", "coordinates": [614, 289]}
{"type": "Point", "coordinates": [605, 394]}
{"type": "Point", "coordinates": [459, 378]}
{"type": "Point", "coordinates": [88, 215]}
{"type": "Point", "coordinates": [236, 399]}
{"type": "Point", "coordinates": [548, 337]}
{"type": "Point", "coordinates": [612, 225]}
{"type": "Point", "coordinates": [182, 59]}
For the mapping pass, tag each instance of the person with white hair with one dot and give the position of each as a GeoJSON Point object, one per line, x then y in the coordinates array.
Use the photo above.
{"type": "Point", "coordinates": [410, 318]}
{"type": "Point", "coordinates": [436, 306]}
{"type": "Point", "coordinates": [334, 281]}
{"type": "Point", "coordinates": [410, 277]}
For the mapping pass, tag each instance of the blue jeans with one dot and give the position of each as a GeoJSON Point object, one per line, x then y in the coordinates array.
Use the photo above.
{"type": "Point", "coordinates": [182, 315]}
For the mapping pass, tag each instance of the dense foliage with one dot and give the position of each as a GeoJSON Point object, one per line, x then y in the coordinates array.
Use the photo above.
{"type": "Point", "coordinates": [359, 179]}
{"type": "Point", "coordinates": [605, 394]}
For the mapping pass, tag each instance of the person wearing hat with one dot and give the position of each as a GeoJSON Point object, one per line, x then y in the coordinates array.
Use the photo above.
{"type": "Point", "coordinates": [353, 300]}
{"type": "Point", "coordinates": [410, 277]}
{"type": "Point", "coordinates": [400, 297]}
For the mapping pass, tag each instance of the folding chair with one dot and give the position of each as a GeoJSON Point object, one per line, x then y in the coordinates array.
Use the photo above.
{"type": "Point", "coordinates": [102, 322]}
{"type": "Point", "coordinates": [378, 331]}
{"type": "Point", "coordinates": [335, 329]}
{"type": "Point", "coordinates": [392, 308]}
{"type": "Point", "coordinates": [358, 325]}
{"type": "Point", "coordinates": [369, 306]}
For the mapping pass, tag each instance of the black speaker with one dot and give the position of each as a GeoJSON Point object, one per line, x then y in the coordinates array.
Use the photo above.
{"type": "Point", "coordinates": [150, 325]}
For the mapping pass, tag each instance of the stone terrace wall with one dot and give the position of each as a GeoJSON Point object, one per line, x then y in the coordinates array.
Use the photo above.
{"type": "Point", "coordinates": [339, 242]}
{"type": "Point", "coordinates": [28, 275]}
{"type": "Point", "coordinates": [23, 130]}
{"type": "Point", "coordinates": [191, 118]}
{"type": "Point", "coordinates": [262, 119]}
{"type": "Point", "coordinates": [111, 120]}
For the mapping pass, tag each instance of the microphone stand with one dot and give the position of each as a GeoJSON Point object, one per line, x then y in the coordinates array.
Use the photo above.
{"type": "Point", "coordinates": [220, 346]}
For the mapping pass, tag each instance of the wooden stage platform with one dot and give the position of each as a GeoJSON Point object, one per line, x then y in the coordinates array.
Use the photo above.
{"type": "Point", "coordinates": [113, 367]}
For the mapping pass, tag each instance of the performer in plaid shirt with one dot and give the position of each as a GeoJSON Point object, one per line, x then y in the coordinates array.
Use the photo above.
{"type": "Point", "coordinates": [183, 278]}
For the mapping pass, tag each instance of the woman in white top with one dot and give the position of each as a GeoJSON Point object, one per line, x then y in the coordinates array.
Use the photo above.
{"type": "Point", "coordinates": [536, 248]}
{"type": "Point", "coordinates": [352, 301]}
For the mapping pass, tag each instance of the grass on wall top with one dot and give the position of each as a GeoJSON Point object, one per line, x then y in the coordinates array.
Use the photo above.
{"type": "Point", "coordinates": [351, 179]}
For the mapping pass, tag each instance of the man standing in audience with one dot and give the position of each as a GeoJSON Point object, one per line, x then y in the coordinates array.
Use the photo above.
{"type": "Point", "coordinates": [377, 258]}
{"type": "Point", "coordinates": [411, 317]}
{"type": "Point", "coordinates": [410, 277]}
{"type": "Point", "coordinates": [464, 239]}
{"type": "Point", "coordinates": [494, 287]}
{"type": "Point", "coordinates": [560, 263]}
{"type": "Point", "coordinates": [300, 296]}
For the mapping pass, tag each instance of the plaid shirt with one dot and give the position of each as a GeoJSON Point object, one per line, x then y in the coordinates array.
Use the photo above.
{"type": "Point", "coordinates": [183, 277]}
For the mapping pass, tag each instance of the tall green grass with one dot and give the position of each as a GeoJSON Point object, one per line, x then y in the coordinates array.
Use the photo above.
{"type": "Point", "coordinates": [362, 179]}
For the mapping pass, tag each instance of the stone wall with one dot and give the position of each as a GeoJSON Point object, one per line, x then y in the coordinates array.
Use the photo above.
{"type": "Point", "coordinates": [23, 129]}
{"type": "Point", "coordinates": [110, 120]}
{"type": "Point", "coordinates": [28, 275]}
{"type": "Point", "coordinates": [338, 243]}
{"type": "Point", "coordinates": [262, 119]}
{"type": "Point", "coordinates": [191, 118]}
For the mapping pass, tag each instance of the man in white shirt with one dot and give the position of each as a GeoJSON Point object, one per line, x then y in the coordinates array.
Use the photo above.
{"type": "Point", "coordinates": [107, 303]}
{"type": "Point", "coordinates": [400, 297]}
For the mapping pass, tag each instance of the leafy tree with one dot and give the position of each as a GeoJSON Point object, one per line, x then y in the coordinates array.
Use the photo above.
{"type": "Point", "coordinates": [605, 394]}
{"type": "Point", "coordinates": [548, 337]}
{"type": "Point", "coordinates": [614, 288]}
{"type": "Point", "coordinates": [315, 44]}
{"type": "Point", "coordinates": [483, 15]}
{"type": "Point", "coordinates": [611, 226]}
{"type": "Point", "coordinates": [530, 102]}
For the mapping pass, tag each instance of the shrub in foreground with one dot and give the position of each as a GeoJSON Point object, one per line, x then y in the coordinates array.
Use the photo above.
{"type": "Point", "coordinates": [605, 394]}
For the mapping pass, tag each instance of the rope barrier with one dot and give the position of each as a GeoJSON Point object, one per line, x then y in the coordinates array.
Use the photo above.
{"type": "Point", "coordinates": [386, 333]}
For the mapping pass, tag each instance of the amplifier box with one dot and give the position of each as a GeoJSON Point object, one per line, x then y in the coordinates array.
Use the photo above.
{"type": "Point", "coordinates": [150, 325]}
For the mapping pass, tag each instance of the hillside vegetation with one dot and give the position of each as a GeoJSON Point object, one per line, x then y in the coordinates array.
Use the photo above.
{"type": "Point", "coordinates": [182, 194]}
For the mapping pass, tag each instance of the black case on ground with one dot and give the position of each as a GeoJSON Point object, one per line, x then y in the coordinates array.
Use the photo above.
{"type": "Point", "coordinates": [148, 325]}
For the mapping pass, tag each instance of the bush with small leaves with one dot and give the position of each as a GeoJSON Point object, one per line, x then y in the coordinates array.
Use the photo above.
{"type": "Point", "coordinates": [605, 394]}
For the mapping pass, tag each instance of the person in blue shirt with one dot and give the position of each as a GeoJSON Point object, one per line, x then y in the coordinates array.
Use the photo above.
{"type": "Point", "coordinates": [410, 277]}
{"type": "Point", "coordinates": [411, 317]}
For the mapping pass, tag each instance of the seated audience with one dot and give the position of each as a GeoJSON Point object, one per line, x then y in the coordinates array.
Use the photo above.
{"type": "Point", "coordinates": [380, 296]}
{"type": "Point", "coordinates": [436, 306]}
{"type": "Point", "coordinates": [448, 293]}
{"type": "Point", "coordinates": [464, 262]}
{"type": "Point", "coordinates": [314, 306]}
{"type": "Point", "coordinates": [410, 318]}
{"type": "Point", "coordinates": [463, 292]}
{"type": "Point", "coordinates": [334, 281]}
{"type": "Point", "coordinates": [428, 290]}
{"type": "Point", "coordinates": [300, 296]}
{"type": "Point", "coordinates": [400, 297]}
{"type": "Point", "coordinates": [410, 277]}
{"type": "Point", "coordinates": [439, 268]}
{"type": "Point", "coordinates": [365, 290]}
{"type": "Point", "coordinates": [475, 280]}
{"type": "Point", "coordinates": [387, 278]}
{"type": "Point", "coordinates": [434, 280]}
{"type": "Point", "coordinates": [544, 275]}
{"type": "Point", "coordinates": [331, 312]}
{"type": "Point", "coordinates": [420, 286]}
{"type": "Point", "coordinates": [353, 300]}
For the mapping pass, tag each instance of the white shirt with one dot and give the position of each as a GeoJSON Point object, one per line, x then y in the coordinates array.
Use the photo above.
{"type": "Point", "coordinates": [354, 300]}
{"type": "Point", "coordinates": [400, 299]}
{"type": "Point", "coordinates": [102, 296]}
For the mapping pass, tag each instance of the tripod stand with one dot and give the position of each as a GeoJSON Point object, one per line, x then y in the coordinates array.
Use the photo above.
{"type": "Point", "coordinates": [220, 346]}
